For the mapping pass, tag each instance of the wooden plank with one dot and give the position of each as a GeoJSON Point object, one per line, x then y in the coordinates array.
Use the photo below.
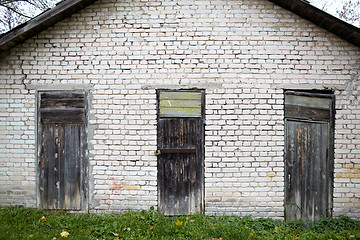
{"type": "Point", "coordinates": [295, 169]}
{"type": "Point", "coordinates": [41, 166]}
{"type": "Point", "coordinates": [48, 179]}
{"type": "Point", "coordinates": [319, 157]}
{"type": "Point", "coordinates": [62, 99]}
{"type": "Point", "coordinates": [64, 103]}
{"type": "Point", "coordinates": [54, 170]}
{"type": "Point", "coordinates": [292, 193]}
{"type": "Point", "coordinates": [183, 103]}
{"type": "Point", "coordinates": [73, 115]}
{"type": "Point", "coordinates": [325, 174]}
{"type": "Point", "coordinates": [309, 102]}
{"type": "Point", "coordinates": [180, 112]}
{"type": "Point", "coordinates": [52, 155]}
{"type": "Point", "coordinates": [60, 141]}
{"type": "Point", "coordinates": [58, 95]}
{"type": "Point", "coordinates": [306, 113]}
{"type": "Point", "coordinates": [83, 167]}
{"type": "Point", "coordinates": [304, 154]}
{"type": "Point", "coordinates": [72, 196]}
{"type": "Point", "coordinates": [180, 95]}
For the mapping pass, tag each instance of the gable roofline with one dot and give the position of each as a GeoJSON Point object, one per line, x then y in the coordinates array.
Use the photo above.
{"type": "Point", "coordinates": [21, 33]}
{"type": "Point", "coordinates": [66, 8]}
{"type": "Point", "coordinates": [322, 19]}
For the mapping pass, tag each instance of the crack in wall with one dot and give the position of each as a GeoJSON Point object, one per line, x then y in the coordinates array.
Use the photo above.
{"type": "Point", "coordinates": [24, 80]}
{"type": "Point", "coordinates": [352, 86]}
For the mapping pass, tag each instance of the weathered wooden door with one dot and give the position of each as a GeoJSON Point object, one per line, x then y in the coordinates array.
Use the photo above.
{"type": "Point", "coordinates": [62, 150]}
{"type": "Point", "coordinates": [308, 155]}
{"type": "Point", "coordinates": [180, 133]}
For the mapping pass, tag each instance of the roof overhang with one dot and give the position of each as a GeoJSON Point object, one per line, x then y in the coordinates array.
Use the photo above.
{"type": "Point", "coordinates": [66, 8]}
{"type": "Point", "coordinates": [62, 10]}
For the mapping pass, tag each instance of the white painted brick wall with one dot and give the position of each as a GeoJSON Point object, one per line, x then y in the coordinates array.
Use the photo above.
{"type": "Point", "coordinates": [242, 52]}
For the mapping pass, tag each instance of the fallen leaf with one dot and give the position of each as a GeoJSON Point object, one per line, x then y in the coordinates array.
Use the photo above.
{"type": "Point", "coordinates": [64, 234]}
{"type": "Point", "coordinates": [43, 218]}
{"type": "Point", "coordinates": [178, 223]}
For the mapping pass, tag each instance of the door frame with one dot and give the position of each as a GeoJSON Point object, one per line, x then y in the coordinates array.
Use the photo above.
{"type": "Point", "coordinates": [85, 163]}
{"type": "Point", "coordinates": [202, 177]}
{"type": "Point", "coordinates": [317, 94]}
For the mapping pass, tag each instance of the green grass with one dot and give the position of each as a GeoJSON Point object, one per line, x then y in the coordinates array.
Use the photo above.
{"type": "Point", "coordinates": [25, 223]}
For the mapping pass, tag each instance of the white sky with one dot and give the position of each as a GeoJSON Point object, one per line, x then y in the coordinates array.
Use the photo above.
{"type": "Point", "coordinates": [330, 6]}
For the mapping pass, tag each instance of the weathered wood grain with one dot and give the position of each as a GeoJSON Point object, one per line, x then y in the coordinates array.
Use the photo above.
{"type": "Point", "coordinates": [180, 164]}
{"type": "Point", "coordinates": [75, 115]}
{"type": "Point", "coordinates": [299, 112]}
{"type": "Point", "coordinates": [63, 155]}
{"type": "Point", "coordinates": [308, 161]}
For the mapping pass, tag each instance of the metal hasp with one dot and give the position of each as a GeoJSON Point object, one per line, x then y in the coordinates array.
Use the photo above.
{"type": "Point", "coordinates": [180, 140]}
{"type": "Point", "coordinates": [309, 155]}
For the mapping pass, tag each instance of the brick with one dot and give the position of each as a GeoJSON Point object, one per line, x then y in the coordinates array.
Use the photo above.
{"type": "Point", "coordinates": [241, 71]}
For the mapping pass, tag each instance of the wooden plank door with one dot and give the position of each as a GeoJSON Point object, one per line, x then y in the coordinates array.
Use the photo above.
{"type": "Point", "coordinates": [62, 156]}
{"type": "Point", "coordinates": [308, 156]}
{"type": "Point", "coordinates": [180, 151]}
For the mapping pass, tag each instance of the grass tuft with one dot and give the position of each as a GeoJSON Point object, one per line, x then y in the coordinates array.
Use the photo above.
{"type": "Point", "coordinates": [17, 222]}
